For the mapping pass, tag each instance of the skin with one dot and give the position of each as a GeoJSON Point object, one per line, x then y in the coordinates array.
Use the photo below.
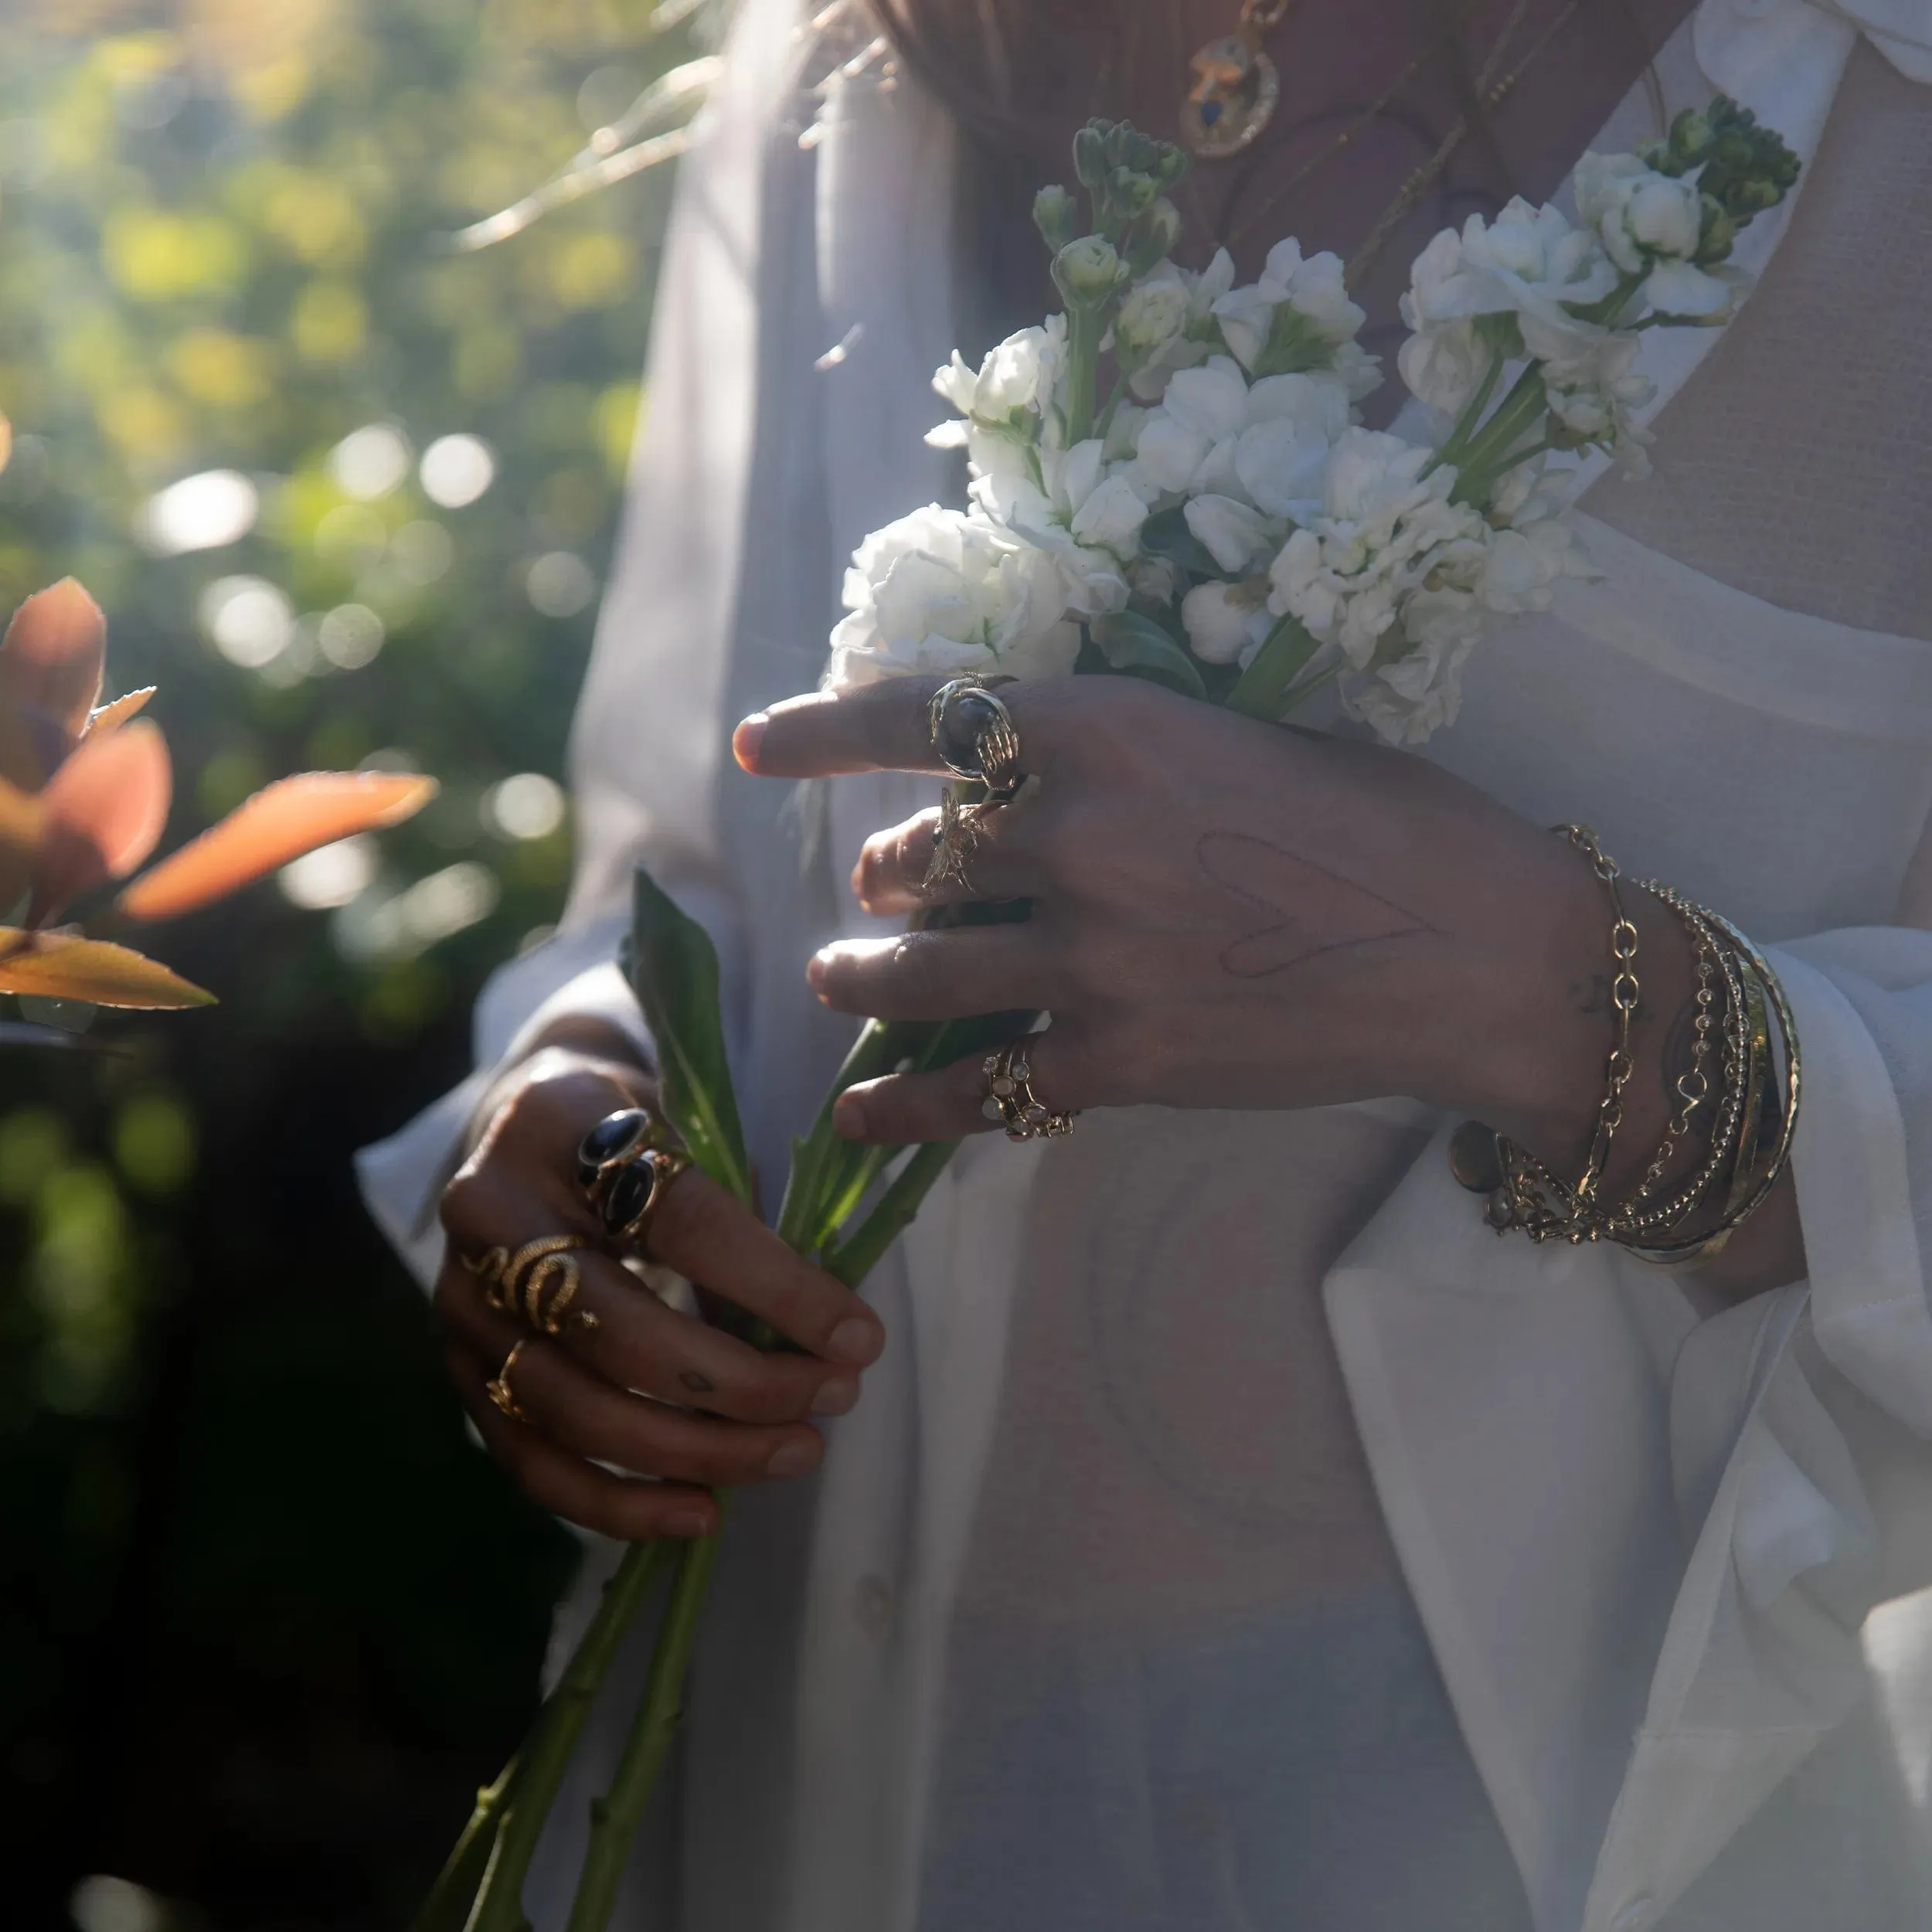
{"type": "Point", "coordinates": [1226, 915]}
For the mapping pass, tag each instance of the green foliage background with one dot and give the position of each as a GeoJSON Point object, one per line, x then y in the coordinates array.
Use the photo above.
{"type": "Point", "coordinates": [266, 1618]}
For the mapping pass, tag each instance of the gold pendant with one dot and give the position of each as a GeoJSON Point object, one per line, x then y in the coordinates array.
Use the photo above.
{"type": "Point", "coordinates": [1236, 91]}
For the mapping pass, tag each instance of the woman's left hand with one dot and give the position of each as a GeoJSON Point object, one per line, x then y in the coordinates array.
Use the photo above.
{"type": "Point", "coordinates": [1228, 914]}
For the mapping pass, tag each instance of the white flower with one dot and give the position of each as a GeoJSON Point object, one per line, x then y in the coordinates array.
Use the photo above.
{"type": "Point", "coordinates": [1321, 319]}
{"type": "Point", "coordinates": [1015, 392]}
{"type": "Point", "coordinates": [1386, 530]}
{"type": "Point", "coordinates": [1191, 343]}
{"type": "Point", "coordinates": [1233, 534]}
{"type": "Point", "coordinates": [1410, 700]}
{"type": "Point", "coordinates": [1651, 225]}
{"type": "Point", "coordinates": [944, 593]}
{"type": "Point", "coordinates": [1592, 386]}
{"type": "Point", "coordinates": [1152, 319]}
{"type": "Point", "coordinates": [1226, 623]}
{"type": "Point", "coordinates": [1443, 364]}
{"type": "Point", "coordinates": [1527, 265]}
{"type": "Point", "coordinates": [1264, 445]}
{"type": "Point", "coordinates": [1086, 519]}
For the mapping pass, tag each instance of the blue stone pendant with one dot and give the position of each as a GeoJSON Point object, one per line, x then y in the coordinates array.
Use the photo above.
{"type": "Point", "coordinates": [1236, 91]}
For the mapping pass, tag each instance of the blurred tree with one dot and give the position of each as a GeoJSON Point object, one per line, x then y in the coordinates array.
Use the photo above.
{"type": "Point", "coordinates": [347, 497]}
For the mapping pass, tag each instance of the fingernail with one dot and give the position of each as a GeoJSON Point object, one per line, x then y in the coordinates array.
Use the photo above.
{"type": "Point", "coordinates": [854, 1340]}
{"type": "Point", "coordinates": [835, 1398]}
{"type": "Point", "coordinates": [687, 1522]}
{"type": "Point", "coordinates": [816, 968]}
{"type": "Point", "coordinates": [746, 738]}
{"type": "Point", "coordinates": [848, 1116]}
{"type": "Point", "coordinates": [792, 1459]}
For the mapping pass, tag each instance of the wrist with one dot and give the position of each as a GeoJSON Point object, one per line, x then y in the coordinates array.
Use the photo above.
{"type": "Point", "coordinates": [1562, 1074]}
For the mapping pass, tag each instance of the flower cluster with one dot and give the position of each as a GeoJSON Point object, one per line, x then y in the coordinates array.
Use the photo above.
{"type": "Point", "coordinates": [1209, 511]}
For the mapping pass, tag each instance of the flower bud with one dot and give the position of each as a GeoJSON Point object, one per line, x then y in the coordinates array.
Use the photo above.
{"type": "Point", "coordinates": [1090, 154]}
{"type": "Point", "coordinates": [1056, 217]}
{"type": "Point", "coordinates": [1160, 229]}
{"type": "Point", "coordinates": [1691, 137]}
{"type": "Point", "coordinates": [1716, 235]}
{"type": "Point", "coordinates": [1087, 271]}
{"type": "Point", "coordinates": [1153, 316]}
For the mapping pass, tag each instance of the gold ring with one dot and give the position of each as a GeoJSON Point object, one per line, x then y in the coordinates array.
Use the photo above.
{"type": "Point", "coordinates": [538, 1282]}
{"type": "Point", "coordinates": [974, 735]}
{"type": "Point", "coordinates": [954, 845]}
{"type": "Point", "coordinates": [498, 1389]}
{"type": "Point", "coordinates": [631, 1200]}
{"type": "Point", "coordinates": [1010, 1098]}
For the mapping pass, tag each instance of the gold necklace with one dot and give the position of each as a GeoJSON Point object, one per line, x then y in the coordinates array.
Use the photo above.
{"type": "Point", "coordinates": [1236, 87]}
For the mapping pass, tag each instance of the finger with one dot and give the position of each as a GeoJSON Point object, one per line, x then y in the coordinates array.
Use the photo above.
{"type": "Point", "coordinates": [905, 1108]}
{"type": "Point", "coordinates": [881, 728]}
{"type": "Point", "coordinates": [619, 1329]}
{"type": "Point", "coordinates": [890, 877]}
{"type": "Point", "coordinates": [709, 1235]}
{"type": "Point", "coordinates": [579, 1411]}
{"type": "Point", "coordinates": [936, 976]}
{"type": "Point", "coordinates": [623, 1507]}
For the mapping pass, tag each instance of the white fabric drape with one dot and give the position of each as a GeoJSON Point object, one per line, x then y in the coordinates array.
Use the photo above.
{"type": "Point", "coordinates": [1619, 1518]}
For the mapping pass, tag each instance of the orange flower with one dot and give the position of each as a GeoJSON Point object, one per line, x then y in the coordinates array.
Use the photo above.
{"type": "Point", "coordinates": [84, 793]}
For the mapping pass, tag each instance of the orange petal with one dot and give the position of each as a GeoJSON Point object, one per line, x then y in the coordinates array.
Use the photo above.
{"type": "Point", "coordinates": [101, 813]}
{"type": "Point", "coordinates": [280, 822]}
{"type": "Point", "coordinates": [6, 442]}
{"type": "Point", "coordinates": [52, 654]}
{"type": "Point", "coordinates": [65, 966]}
{"type": "Point", "coordinates": [112, 716]}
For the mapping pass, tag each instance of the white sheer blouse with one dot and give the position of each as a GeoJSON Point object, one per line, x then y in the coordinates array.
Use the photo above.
{"type": "Point", "coordinates": [1237, 1534]}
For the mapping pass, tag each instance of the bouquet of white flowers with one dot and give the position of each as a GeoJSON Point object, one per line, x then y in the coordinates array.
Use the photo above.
{"type": "Point", "coordinates": [1170, 480]}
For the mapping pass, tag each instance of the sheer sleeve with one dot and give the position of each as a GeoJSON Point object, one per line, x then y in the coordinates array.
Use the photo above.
{"type": "Point", "coordinates": [649, 733]}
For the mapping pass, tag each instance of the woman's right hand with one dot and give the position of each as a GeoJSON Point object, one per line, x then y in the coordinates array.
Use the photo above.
{"type": "Point", "coordinates": [640, 1390]}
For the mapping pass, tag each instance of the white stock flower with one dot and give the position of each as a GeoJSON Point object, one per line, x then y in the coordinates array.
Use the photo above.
{"type": "Point", "coordinates": [1233, 534]}
{"type": "Point", "coordinates": [1013, 399]}
{"type": "Point", "coordinates": [943, 593]}
{"type": "Point", "coordinates": [1592, 386]}
{"type": "Point", "coordinates": [1651, 224]}
{"type": "Point", "coordinates": [1263, 446]}
{"type": "Point", "coordinates": [1086, 519]}
{"type": "Point", "coordinates": [1526, 264]}
{"type": "Point", "coordinates": [1385, 530]}
{"type": "Point", "coordinates": [1226, 623]}
{"type": "Point", "coordinates": [1411, 699]}
{"type": "Point", "coordinates": [1323, 317]}
{"type": "Point", "coordinates": [1152, 318]}
{"type": "Point", "coordinates": [1189, 344]}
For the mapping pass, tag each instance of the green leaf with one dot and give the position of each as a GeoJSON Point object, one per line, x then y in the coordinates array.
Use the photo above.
{"type": "Point", "coordinates": [1167, 534]}
{"type": "Point", "coordinates": [1138, 648]}
{"type": "Point", "coordinates": [673, 968]}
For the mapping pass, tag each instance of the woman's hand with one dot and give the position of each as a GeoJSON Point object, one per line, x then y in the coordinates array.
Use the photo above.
{"type": "Point", "coordinates": [640, 1390]}
{"type": "Point", "coordinates": [1228, 914]}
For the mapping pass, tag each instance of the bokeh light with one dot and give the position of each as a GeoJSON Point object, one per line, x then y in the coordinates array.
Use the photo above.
{"type": "Point", "coordinates": [457, 470]}
{"type": "Point", "coordinates": [201, 512]}
{"type": "Point", "coordinates": [527, 805]}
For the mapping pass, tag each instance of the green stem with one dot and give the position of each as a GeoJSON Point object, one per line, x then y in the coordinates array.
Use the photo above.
{"type": "Point", "coordinates": [1263, 686]}
{"type": "Point", "coordinates": [448, 1907]}
{"type": "Point", "coordinates": [546, 1752]}
{"type": "Point", "coordinates": [1083, 332]}
{"type": "Point", "coordinates": [1451, 450]}
{"type": "Point", "coordinates": [855, 1258]}
{"type": "Point", "coordinates": [614, 1818]}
